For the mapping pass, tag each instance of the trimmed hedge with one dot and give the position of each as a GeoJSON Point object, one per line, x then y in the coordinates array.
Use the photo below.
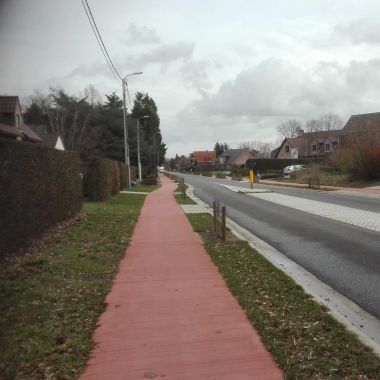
{"type": "Point", "coordinates": [98, 179]}
{"type": "Point", "coordinates": [103, 177]}
{"type": "Point", "coordinates": [39, 187]}
{"type": "Point", "coordinates": [265, 164]}
{"type": "Point", "coordinates": [123, 170]}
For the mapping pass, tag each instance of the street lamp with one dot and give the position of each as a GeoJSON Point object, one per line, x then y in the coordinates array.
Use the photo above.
{"type": "Point", "coordinates": [138, 143]}
{"type": "Point", "coordinates": [126, 143]}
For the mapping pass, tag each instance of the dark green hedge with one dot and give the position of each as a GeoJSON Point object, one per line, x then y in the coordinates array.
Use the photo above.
{"type": "Point", "coordinates": [98, 179]}
{"type": "Point", "coordinates": [123, 170]}
{"type": "Point", "coordinates": [264, 164]}
{"type": "Point", "coordinates": [39, 187]}
{"type": "Point", "coordinates": [103, 177]}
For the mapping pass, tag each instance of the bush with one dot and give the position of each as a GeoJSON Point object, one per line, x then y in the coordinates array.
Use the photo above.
{"type": "Point", "coordinates": [269, 174]}
{"type": "Point", "coordinates": [265, 164]}
{"type": "Point", "coordinates": [123, 172]}
{"type": "Point", "coordinates": [207, 174]}
{"type": "Point", "coordinates": [220, 175]}
{"type": "Point", "coordinates": [359, 162]}
{"type": "Point", "coordinates": [99, 179]}
{"type": "Point", "coordinates": [40, 187]}
{"type": "Point", "coordinates": [115, 178]}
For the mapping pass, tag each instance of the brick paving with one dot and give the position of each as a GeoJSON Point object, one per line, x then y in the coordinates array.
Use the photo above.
{"type": "Point", "coordinates": [169, 314]}
{"type": "Point", "coordinates": [360, 218]}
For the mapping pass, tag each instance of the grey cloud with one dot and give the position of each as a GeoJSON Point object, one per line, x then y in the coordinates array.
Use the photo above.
{"type": "Point", "coordinates": [162, 55]}
{"type": "Point", "coordinates": [250, 106]}
{"type": "Point", "coordinates": [280, 88]}
{"type": "Point", "coordinates": [361, 31]}
{"type": "Point", "coordinates": [141, 35]}
{"type": "Point", "coordinates": [195, 74]}
{"type": "Point", "coordinates": [165, 54]}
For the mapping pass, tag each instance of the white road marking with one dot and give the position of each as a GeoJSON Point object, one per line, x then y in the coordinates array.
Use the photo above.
{"type": "Point", "coordinates": [246, 190]}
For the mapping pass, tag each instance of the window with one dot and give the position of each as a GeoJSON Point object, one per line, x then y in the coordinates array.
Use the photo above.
{"type": "Point", "coordinates": [314, 148]}
{"type": "Point", "coordinates": [327, 147]}
{"type": "Point", "coordinates": [286, 148]}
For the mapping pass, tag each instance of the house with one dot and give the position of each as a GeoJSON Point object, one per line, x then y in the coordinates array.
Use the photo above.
{"type": "Point", "coordinates": [202, 158]}
{"type": "Point", "coordinates": [236, 156]}
{"type": "Point", "coordinates": [12, 125]}
{"type": "Point", "coordinates": [317, 144]}
{"type": "Point", "coordinates": [52, 140]}
{"type": "Point", "coordinates": [363, 122]}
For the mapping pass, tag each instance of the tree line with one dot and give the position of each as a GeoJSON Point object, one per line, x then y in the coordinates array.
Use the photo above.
{"type": "Point", "coordinates": [326, 122]}
{"type": "Point", "coordinates": [95, 128]}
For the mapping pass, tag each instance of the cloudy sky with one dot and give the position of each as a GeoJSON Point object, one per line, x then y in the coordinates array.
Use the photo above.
{"type": "Point", "coordinates": [218, 70]}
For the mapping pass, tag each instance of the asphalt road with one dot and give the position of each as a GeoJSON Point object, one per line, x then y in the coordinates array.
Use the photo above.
{"type": "Point", "coordinates": [343, 256]}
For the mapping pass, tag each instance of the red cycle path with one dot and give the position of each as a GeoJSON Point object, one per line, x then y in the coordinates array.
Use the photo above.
{"type": "Point", "coordinates": [170, 315]}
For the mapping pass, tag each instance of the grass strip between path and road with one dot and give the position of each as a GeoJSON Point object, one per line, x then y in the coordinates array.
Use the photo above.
{"type": "Point", "coordinates": [52, 297]}
{"type": "Point", "coordinates": [180, 200]}
{"type": "Point", "coordinates": [305, 340]}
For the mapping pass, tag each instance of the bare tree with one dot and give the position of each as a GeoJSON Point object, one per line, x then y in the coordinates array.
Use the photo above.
{"type": "Point", "coordinates": [290, 128]}
{"type": "Point", "coordinates": [313, 125]}
{"type": "Point", "coordinates": [330, 121]}
{"type": "Point", "coordinates": [260, 146]}
{"type": "Point", "coordinates": [326, 122]}
{"type": "Point", "coordinates": [92, 95]}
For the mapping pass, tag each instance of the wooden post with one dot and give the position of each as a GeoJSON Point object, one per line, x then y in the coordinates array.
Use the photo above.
{"type": "Point", "coordinates": [214, 208]}
{"type": "Point", "coordinates": [223, 223]}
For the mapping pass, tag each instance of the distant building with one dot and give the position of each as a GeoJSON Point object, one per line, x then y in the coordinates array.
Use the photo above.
{"type": "Point", "coordinates": [363, 122]}
{"type": "Point", "coordinates": [310, 145]}
{"type": "Point", "coordinates": [202, 158]}
{"type": "Point", "coordinates": [12, 125]}
{"type": "Point", "coordinates": [236, 156]}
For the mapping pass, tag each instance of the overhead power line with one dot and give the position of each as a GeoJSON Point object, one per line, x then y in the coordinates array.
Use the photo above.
{"type": "Point", "coordinates": [100, 41]}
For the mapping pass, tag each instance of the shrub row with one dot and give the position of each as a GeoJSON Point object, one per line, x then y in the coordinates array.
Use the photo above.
{"type": "Point", "coordinates": [264, 164]}
{"type": "Point", "coordinates": [103, 177]}
{"type": "Point", "coordinates": [39, 187]}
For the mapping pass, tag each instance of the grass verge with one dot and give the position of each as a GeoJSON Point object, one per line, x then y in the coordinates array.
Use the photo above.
{"type": "Point", "coordinates": [306, 341]}
{"type": "Point", "coordinates": [51, 298]}
{"type": "Point", "coordinates": [144, 188]}
{"type": "Point", "coordinates": [180, 200]}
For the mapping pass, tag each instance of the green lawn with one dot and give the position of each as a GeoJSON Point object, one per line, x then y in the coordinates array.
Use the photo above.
{"type": "Point", "coordinates": [143, 188]}
{"type": "Point", "coordinates": [306, 341]}
{"type": "Point", "coordinates": [51, 298]}
{"type": "Point", "coordinates": [180, 200]}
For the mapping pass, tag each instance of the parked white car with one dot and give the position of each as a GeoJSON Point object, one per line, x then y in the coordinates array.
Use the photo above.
{"type": "Point", "coordinates": [293, 168]}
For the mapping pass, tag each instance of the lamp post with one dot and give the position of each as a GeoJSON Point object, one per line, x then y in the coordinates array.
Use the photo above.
{"type": "Point", "coordinates": [126, 143]}
{"type": "Point", "coordinates": [138, 143]}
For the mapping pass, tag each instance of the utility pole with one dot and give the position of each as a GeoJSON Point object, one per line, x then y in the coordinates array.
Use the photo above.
{"type": "Point", "coordinates": [138, 144]}
{"type": "Point", "coordinates": [126, 142]}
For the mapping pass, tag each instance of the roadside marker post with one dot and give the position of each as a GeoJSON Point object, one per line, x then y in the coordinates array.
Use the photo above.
{"type": "Point", "coordinates": [251, 177]}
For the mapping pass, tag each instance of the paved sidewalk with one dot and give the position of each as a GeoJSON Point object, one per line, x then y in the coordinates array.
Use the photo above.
{"type": "Point", "coordinates": [170, 315]}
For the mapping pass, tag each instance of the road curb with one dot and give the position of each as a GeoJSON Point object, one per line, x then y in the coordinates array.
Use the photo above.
{"type": "Point", "coordinates": [352, 316]}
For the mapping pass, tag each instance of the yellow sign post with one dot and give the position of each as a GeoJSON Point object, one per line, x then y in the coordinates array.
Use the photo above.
{"type": "Point", "coordinates": [251, 177]}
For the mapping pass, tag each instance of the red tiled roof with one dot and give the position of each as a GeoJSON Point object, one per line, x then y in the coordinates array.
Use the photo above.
{"type": "Point", "coordinates": [7, 130]}
{"type": "Point", "coordinates": [8, 103]}
{"type": "Point", "coordinates": [29, 134]}
{"type": "Point", "coordinates": [25, 132]}
{"type": "Point", "coordinates": [204, 156]}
